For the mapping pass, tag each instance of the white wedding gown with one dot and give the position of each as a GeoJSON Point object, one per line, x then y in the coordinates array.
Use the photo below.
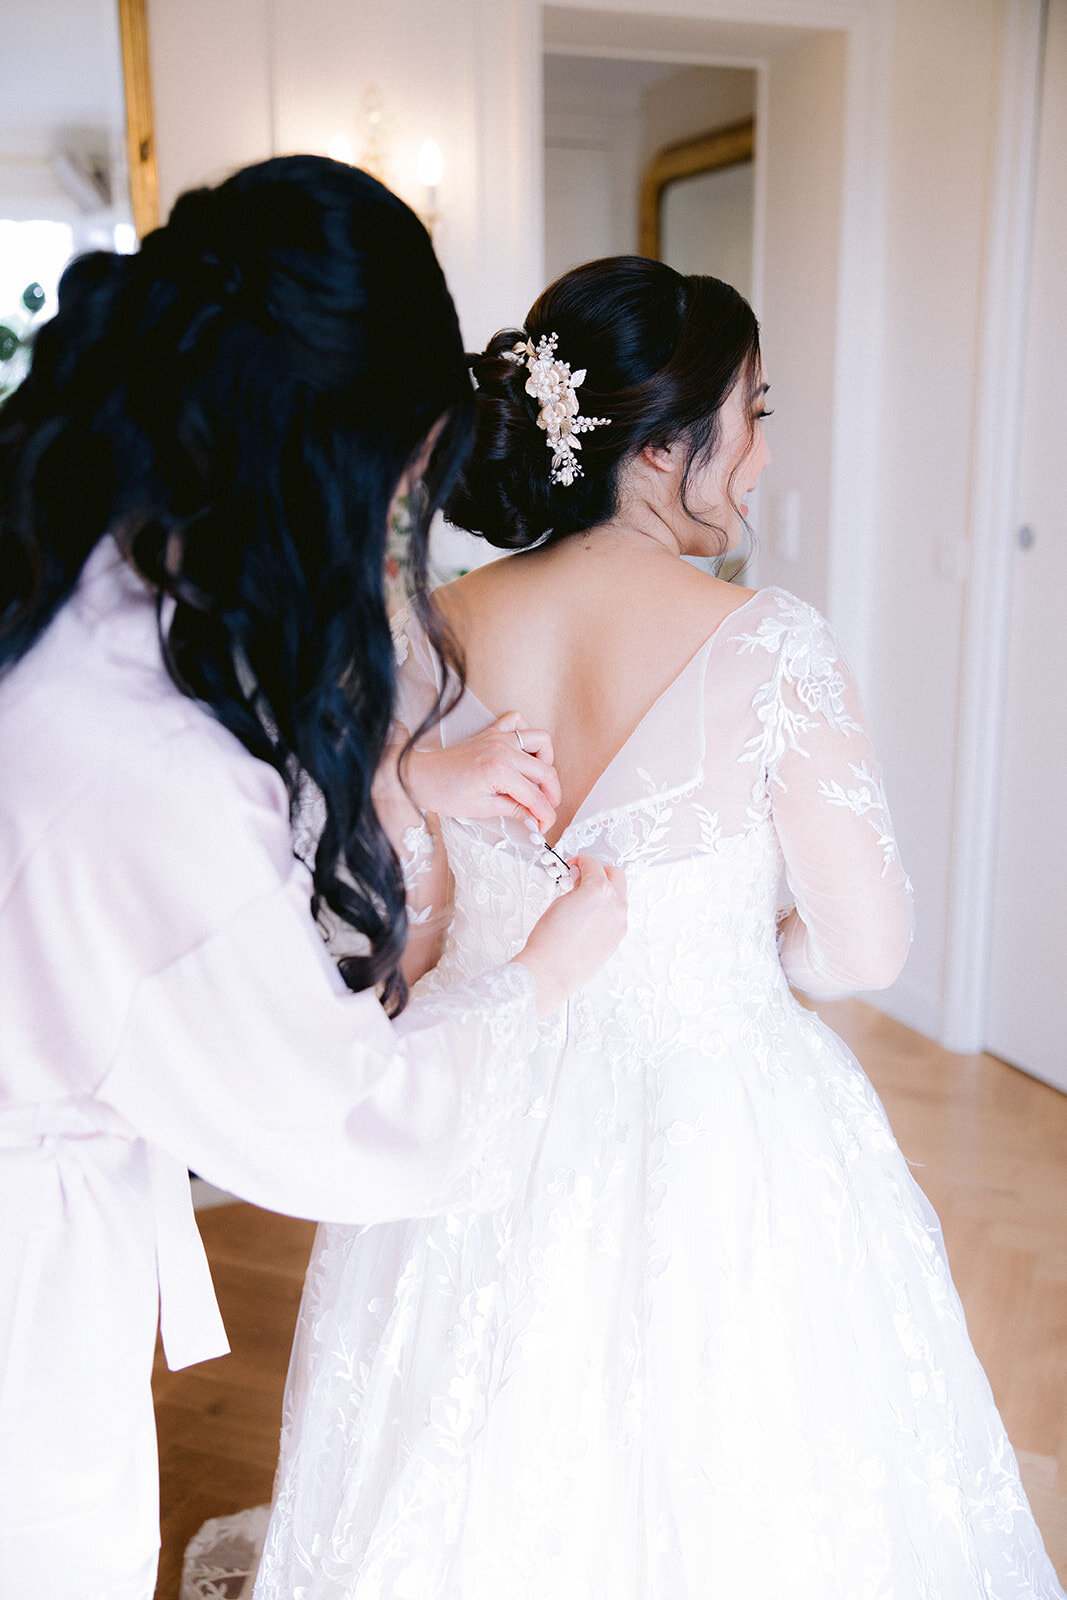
{"type": "Point", "coordinates": [711, 1350]}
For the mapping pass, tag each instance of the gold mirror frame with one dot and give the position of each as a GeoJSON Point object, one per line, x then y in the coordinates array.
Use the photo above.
{"type": "Point", "coordinates": [140, 131]}
{"type": "Point", "coordinates": [727, 147]}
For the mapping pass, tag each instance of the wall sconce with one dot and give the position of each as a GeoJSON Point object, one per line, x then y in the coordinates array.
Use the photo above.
{"type": "Point", "coordinates": [429, 164]}
{"type": "Point", "coordinates": [429, 169]}
{"type": "Point", "coordinates": [375, 130]}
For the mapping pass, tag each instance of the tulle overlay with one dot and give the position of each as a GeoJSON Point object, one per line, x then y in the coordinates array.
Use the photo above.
{"type": "Point", "coordinates": [711, 1349]}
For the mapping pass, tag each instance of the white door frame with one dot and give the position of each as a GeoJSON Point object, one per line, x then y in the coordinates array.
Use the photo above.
{"type": "Point", "coordinates": [993, 491]}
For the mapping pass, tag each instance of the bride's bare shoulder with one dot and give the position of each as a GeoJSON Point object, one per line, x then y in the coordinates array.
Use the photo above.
{"type": "Point", "coordinates": [559, 589]}
{"type": "Point", "coordinates": [706, 599]}
{"type": "Point", "coordinates": [720, 594]}
{"type": "Point", "coordinates": [486, 591]}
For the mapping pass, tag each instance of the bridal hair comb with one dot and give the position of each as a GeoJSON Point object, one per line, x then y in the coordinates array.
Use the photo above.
{"type": "Point", "coordinates": [554, 386]}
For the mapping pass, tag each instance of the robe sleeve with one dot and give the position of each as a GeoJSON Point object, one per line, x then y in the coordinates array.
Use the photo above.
{"type": "Point", "coordinates": [850, 928]}
{"type": "Point", "coordinates": [246, 1057]}
{"type": "Point", "coordinates": [250, 1061]}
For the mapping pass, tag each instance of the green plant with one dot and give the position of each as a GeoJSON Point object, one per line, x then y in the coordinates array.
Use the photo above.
{"type": "Point", "coordinates": [16, 336]}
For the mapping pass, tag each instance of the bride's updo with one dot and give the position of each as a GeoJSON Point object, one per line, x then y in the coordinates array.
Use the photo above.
{"type": "Point", "coordinates": [660, 353]}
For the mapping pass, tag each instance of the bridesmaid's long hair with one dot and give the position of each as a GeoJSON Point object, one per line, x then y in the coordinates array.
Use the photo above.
{"type": "Point", "coordinates": [237, 404]}
{"type": "Point", "coordinates": [661, 352]}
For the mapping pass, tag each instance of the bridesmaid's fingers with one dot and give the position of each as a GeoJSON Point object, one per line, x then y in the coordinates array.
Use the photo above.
{"type": "Point", "coordinates": [539, 772]}
{"type": "Point", "coordinates": [518, 797]}
{"type": "Point", "coordinates": [536, 742]}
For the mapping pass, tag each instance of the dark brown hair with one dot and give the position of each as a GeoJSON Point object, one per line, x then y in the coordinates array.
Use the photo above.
{"type": "Point", "coordinates": [238, 402]}
{"type": "Point", "coordinates": [661, 353]}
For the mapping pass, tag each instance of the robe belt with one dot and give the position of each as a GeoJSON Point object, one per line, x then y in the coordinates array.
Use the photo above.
{"type": "Point", "coordinates": [189, 1317]}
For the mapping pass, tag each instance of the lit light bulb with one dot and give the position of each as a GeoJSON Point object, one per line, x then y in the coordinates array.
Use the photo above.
{"type": "Point", "coordinates": [430, 164]}
{"type": "Point", "coordinates": [340, 149]}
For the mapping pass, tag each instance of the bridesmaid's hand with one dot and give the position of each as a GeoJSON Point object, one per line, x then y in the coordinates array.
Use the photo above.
{"type": "Point", "coordinates": [577, 933]}
{"type": "Point", "coordinates": [490, 774]}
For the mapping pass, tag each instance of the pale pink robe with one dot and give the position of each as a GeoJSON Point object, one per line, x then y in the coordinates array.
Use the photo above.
{"type": "Point", "coordinates": [167, 1002]}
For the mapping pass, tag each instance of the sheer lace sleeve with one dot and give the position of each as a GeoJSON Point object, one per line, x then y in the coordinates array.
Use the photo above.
{"type": "Point", "coordinates": [415, 835]}
{"type": "Point", "coordinates": [851, 925]}
{"type": "Point", "coordinates": [416, 838]}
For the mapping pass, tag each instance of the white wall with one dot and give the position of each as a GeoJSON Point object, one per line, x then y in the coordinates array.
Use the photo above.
{"type": "Point", "coordinates": [235, 83]}
{"type": "Point", "coordinates": [468, 73]}
{"type": "Point", "coordinates": [211, 90]}
{"type": "Point", "coordinates": [61, 90]}
{"type": "Point", "coordinates": [803, 135]}
{"type": "Point", "coordinates": [943, 107]}
{"type": "Point", "coordinates": [592, 133]}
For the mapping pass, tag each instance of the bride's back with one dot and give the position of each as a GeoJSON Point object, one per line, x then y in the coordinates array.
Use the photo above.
{"type": "Point", "coordinates": [701, 733]}
{"type": "Point", "coordinates": [583, 637]}
{"type": "Point", "coordinates": [722, 741]}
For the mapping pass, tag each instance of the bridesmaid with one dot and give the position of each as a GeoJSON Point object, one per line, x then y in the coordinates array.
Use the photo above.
{"type": "Point", "coordinates": [195, 481]}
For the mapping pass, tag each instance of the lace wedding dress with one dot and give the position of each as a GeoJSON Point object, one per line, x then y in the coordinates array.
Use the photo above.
{"type": "Point", "coordinates": [711, 1350]}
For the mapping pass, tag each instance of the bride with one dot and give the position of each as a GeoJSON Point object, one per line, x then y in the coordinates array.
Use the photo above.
{"type": "Point", "coordinates": [712, 1348]}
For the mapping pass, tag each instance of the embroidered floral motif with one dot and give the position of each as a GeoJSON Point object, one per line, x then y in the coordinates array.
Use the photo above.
{"type": "Point", "coordinates": [398, 629]}
{"type": "Point", "coordinates": [416, 862]}
{"type": "Point", "coordinates": [805, 657]}
{"type": "Point", "coordinates": [866, 799]}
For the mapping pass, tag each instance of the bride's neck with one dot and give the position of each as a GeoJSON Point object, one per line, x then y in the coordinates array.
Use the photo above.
{"type": "Point", "coordinates": [636, 526]}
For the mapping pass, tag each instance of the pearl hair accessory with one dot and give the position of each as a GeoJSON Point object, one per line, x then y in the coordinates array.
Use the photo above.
{"type": "Point", "coordinates": [553, 385]}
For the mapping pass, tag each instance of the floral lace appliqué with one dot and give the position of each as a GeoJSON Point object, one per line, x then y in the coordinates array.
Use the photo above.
{"type": "Point", "coordinates": [866, 799]}
{"type": "Point", "coordinates": [416, 861]}
{"type": "Point", "coordinates": [806, 658]}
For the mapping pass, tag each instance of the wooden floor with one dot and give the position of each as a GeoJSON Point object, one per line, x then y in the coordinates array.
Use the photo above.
{"type": "Point", "coordinates": [992, 1145]}
{"type": "Point", "coordinates": [218, 1422]}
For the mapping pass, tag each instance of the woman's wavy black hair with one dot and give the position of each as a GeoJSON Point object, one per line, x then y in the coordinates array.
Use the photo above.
{"type": "Point", "coordinates": [661, 353]}
{"type": "Point", "coordinates": [237, 404]}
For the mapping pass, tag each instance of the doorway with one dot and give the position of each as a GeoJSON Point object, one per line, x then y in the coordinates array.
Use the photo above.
{"type": "Point", "coordinates": [608, 122]}
{"type": "Point", "coordinates": [618, 89]}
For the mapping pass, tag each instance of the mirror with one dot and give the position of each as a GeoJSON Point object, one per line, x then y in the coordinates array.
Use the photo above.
{"type": "Point", "coordinates": [697, 205]}
{"type": "Point", "coordinates": [77, 154]}
{"type": "Point", "coordinates": [698, 215]}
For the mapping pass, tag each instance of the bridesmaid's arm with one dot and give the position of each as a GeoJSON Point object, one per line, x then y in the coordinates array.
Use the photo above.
{"type": "Point", "coordinates": [249, 1060]}
{"type": "Point", "coordinates": [211, 1016]}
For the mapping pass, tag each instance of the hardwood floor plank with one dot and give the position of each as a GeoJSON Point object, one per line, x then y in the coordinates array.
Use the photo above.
{"type": "Point", "coordinates": [1036, 1403]}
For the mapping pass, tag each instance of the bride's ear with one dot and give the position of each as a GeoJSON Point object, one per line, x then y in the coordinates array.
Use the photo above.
{"type": "Point", "coordinates": [661, 457]}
